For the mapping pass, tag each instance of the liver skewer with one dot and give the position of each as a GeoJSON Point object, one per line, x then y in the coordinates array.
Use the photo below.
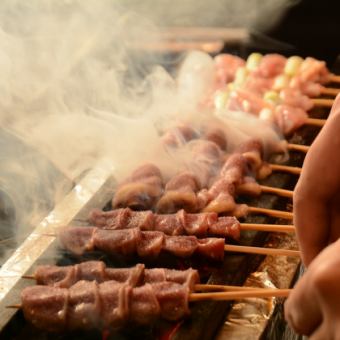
{"type": "Point", "coordinates": [149, 244]}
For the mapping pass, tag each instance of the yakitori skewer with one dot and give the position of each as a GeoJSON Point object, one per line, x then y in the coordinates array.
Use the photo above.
{"type": "Point", "coordinates": [321, 102]}
{"type": "Point", "coordinates": [182, 223]}
{"type": "Point", "coordinates": [225, 296]}
{"type": "Point", "coordinates": [277, 191]}
{"type": "Point", "coordinates": [286, 168]}
{"type": "Point", "coordinates": [298, 147]}
{"type": "Point", "coordinates": [67, 276]}
{"type": "Point", "coordinates": [271, 212]}
{"type": "Point", "coordinates": [146, 244]}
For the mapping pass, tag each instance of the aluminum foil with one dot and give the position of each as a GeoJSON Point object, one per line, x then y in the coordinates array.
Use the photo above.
{"type": "Point", "coordinates": [249, 318]}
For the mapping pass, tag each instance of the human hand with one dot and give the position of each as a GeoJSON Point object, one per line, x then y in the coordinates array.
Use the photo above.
{"type": "Point", "coordinates": [313, 307]}
{"type": "Point", "coordinates": [317, 193]}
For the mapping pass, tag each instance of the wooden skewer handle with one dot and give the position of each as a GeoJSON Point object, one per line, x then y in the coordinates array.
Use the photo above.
{"type": "Point", "coordinates": [277, 191]}
{"type": "Point", "coordinates": [281, 228]}
{"type": "Point", "coordinates": [261, 251]}
{"type": "Point", "coordinates": [286, 168]}
{"type": "Point", "coordinates": [271, 212]}
{"type": "Point", "coordinates": [316, 122]}
{"type": "Point", "coordinates": [28, 277]}
{"type": "Point", "coordinates": [334, 78]}
{"type": "Point", "coordinates": [254, 293]}
{"type": "Point", "coordinates": [329, 91]}
{"type": "Point", "coordinates": [227, 288]}
{"type": "Point", "coordinates": [298, 147]}
{"type": "Point", "coordinates": [323, 102]}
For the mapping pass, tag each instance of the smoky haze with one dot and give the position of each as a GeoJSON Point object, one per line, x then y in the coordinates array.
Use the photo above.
{"type": "Point", "coordinates": [72, 90]}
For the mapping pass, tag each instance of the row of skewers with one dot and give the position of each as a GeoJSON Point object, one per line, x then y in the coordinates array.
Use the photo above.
{"type": "Point", "coordinates": [89, 295]}
{"type": "Point", "coordinates": [277, 89]}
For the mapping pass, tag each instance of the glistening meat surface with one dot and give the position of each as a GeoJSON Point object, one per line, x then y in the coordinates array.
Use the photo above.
{"type": "Point", "coordinates": [108, 305]}
{"type": "Point", "coordinates": [180, 223]}
{"type": "Point", "coordinates": [126, 242]}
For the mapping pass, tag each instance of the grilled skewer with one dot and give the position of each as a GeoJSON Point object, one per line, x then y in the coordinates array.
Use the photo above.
{"type": "Point", "coordinates": [111, 306]}
{"type": "Point", "coordinates": [181, 223]}
{"type": "Point", "coordinates": [66, 276]}
{"type": "Point", "coordinates": [79, 240]}
{"type": "Point", "coordinates": [232, 293]}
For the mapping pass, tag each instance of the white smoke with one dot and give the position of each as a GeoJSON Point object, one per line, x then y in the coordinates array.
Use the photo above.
{"type": "Point", "coordinates": [74, 88]}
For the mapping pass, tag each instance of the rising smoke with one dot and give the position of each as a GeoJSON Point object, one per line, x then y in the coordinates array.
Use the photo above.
{"type": "Point", "coordinates": [73, 90]}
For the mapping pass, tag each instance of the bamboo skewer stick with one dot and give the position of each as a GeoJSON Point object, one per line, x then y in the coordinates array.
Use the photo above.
{"type": "Point", "coordinates": [250, 250]}
{"type": "Point", "coordinates": [329, 91]}
{"type": "Point", "coordinates": [281, 228]}
{"type": "Point", "coordinates": [321, 102]}
{"type": "Point", "coordinates": [277, 191]}
{"type": "Point", "coordinates": [206, 45]}
{"type": "Point", "coordinates": [254, 293]}
{"type": "Point", "coordinates": [333, 78]}
{"type": "Point", "coordinates": [225, 288]}
{"type": "Point", "coordinates": [271, 212]}
{"type": "Point", "coordinates": [286, 168]}
{"type": "Point", "coordinates": [298, 147]}
{"type": "Point", "coordinates": [261, 251]}
{"type": "Point", "coordinates": [226, 296]}
{"type": "Point", "coordinates": [28, 277]}
{"type": "Point", "coordinates": [315, 122]}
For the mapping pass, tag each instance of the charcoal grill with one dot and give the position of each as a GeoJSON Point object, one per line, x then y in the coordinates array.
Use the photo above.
{"type": "Point", "coordinates": [207, 318]}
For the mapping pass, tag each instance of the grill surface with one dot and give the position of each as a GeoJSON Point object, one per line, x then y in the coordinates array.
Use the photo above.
{"type": "Point", "coordinates": [206, 317]}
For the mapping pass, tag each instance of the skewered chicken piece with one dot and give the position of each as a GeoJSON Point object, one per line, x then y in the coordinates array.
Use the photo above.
{"type": "Point", "coordinates": [141, 190]}
{"type": "Point", "coordinates": [181, 223]}
{"type": "Point", "coordinates": [111, 305]}
{"type": "Point", "coordinates": [66, 276]}
{"type": "Point", "coordinates": [108, 305]}
{"type": "Point", "coordinates": [149, 244]}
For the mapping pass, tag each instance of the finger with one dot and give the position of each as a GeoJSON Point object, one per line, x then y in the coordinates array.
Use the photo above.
{"type": "Point", "coordinates": [311, 218]}
{"type": "Point", "coordinates": [314, 300]}
{"type": "Point", "coordinates": [301, 310]}
{"type": "Point", "coordinates": [318, 183]}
